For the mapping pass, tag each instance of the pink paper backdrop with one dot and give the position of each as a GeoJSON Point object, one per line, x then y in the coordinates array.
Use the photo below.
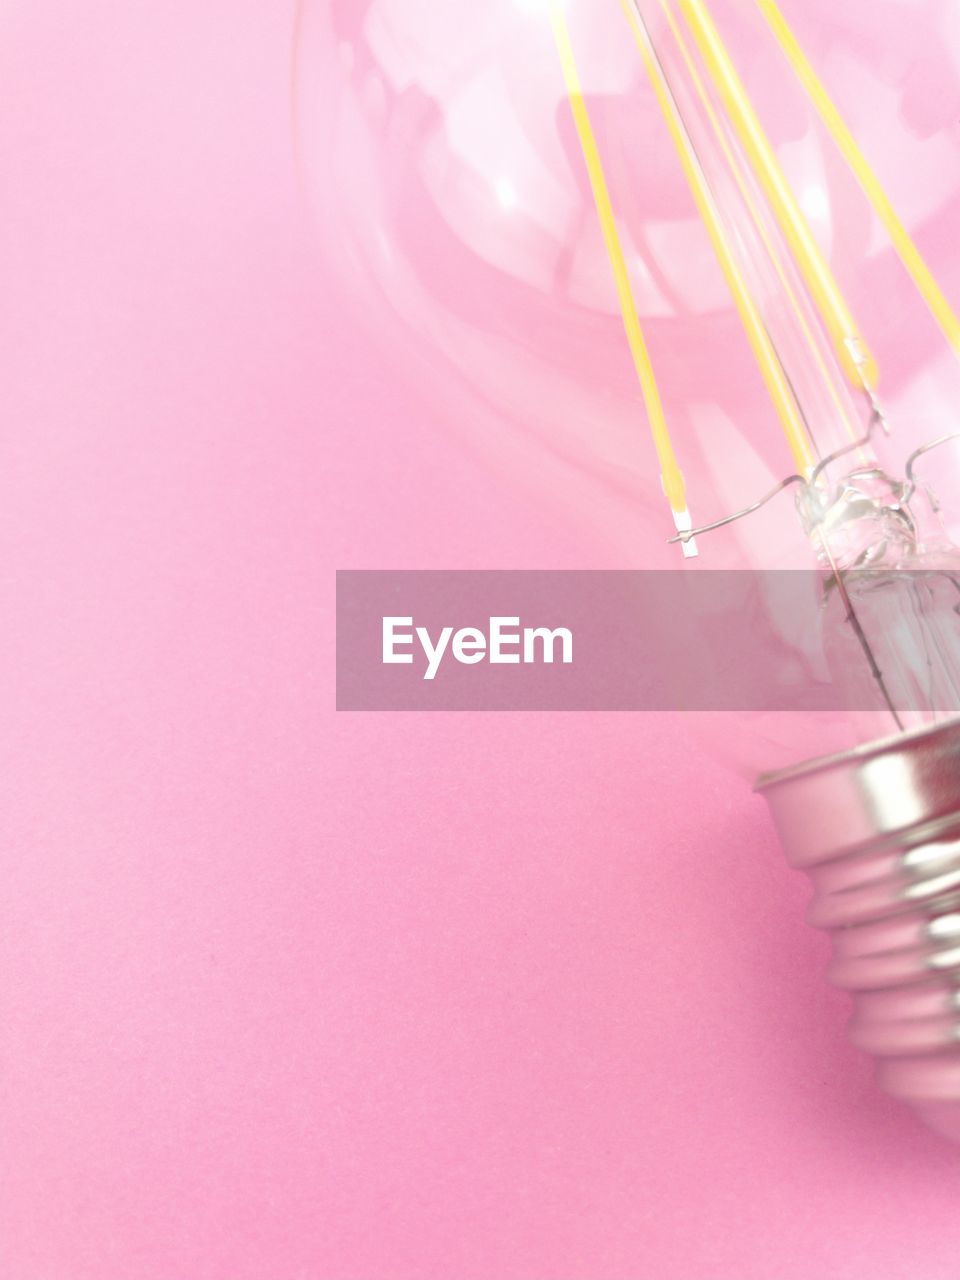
{"type": "Point", "coordinates": [293, 996]}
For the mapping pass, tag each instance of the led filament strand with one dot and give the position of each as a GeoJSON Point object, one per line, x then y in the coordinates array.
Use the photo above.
{"type": "Point", "coordinates": [906, 250]}
{"type": "Point", "coordinates": [763, 349]}
{"type": "Point", "coordinates": [827, 374]}
{"type": "Point", "coordinates": [671, 476]}
{"type": "Point", "coordinates": [851, 349]}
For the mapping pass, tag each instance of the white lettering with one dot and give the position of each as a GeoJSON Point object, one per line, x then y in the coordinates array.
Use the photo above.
{"type": "Point", "coordinates": [549, 638]}
{"type": "Point", "coordinates": [433, 651]}
{"type": "Point", "coordinates": [391, 640]}
{"type": "Point", "coordinates": [499, 638]}
{"type": "Point", "coordinates": [471, 645]}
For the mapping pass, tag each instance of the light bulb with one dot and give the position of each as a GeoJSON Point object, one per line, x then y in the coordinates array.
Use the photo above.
{"type": "Point", "coordinates": [643, 248]}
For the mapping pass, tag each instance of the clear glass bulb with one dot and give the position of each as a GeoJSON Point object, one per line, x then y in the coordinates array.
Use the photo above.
{"type": "Point", "coordinates": [444, 158]}
{"type": "Point", "coordinates": [688, 265]}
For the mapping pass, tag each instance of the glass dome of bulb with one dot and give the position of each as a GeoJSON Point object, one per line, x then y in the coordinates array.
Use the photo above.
{"type": "Point", "coordinates": [458, 189]}
{"type": "Point", "coordinates": [688, 269]}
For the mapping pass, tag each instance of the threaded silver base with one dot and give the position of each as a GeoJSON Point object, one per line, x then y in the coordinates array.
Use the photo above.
{"type": "Point", "coordinates": [878, 832]}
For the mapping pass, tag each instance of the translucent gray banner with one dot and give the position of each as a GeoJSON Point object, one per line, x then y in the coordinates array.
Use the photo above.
{"type": "Point", "coordinates": [647, 641]}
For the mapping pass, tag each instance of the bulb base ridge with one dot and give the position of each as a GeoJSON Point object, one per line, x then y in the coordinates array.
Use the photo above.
{"type": "Point", "coordinates": [877, 830]}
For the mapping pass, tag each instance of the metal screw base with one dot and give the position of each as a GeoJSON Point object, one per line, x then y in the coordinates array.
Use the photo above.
{"type": "Point", "coordinates": [878, 832]}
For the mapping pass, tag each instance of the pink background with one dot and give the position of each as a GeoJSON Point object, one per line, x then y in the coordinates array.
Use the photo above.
{"type": "Point", "coordinates": [293, 996]}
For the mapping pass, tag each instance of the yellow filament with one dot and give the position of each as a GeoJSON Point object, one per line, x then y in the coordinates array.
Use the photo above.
{"type": "Point", "coordinates": [852, 351]}
{"type": "Point", "coordinates": [672, 478]}
{"type": "Point", "coordinates": [908, 252]}
{"type": "Point", "coordinates": [763, 350]}
{"type": "Point", "coordinates": [827, 375]}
